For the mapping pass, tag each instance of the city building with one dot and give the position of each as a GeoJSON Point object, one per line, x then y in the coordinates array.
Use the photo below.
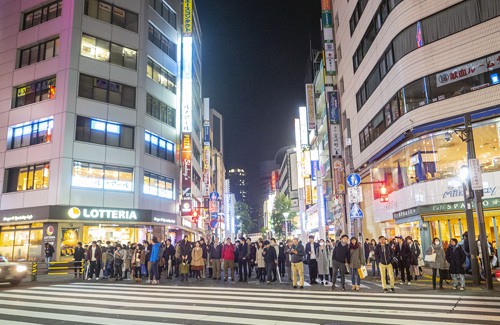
{"type": "Point", "coordinates": [239, 184]}
{"type": "Point", "coordinates": [408, 72]}
{"type": "Point", "coordinates": [90, 127]}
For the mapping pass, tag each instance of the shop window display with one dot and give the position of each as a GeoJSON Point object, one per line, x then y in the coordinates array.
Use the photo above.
{"type": "Point", "coordinates": [21, 242]}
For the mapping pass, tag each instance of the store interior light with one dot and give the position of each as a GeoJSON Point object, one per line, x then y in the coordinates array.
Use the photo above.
{"type": "Point", "coordinates": [464, 173]}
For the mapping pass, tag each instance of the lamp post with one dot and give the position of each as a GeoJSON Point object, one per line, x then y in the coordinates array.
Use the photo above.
{"type": "Point", "coordinates": [286, 214]}
{"type": "Point", "coordinates": [464, 176]}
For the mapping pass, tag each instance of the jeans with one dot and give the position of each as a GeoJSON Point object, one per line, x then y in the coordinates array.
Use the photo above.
{"type": "Point", "coordinates": [154, 271]}
{"type": "Point", "coordinates": [313, 270]}
{"type": "Point", "coordinates": [93, 269]}
{"type": "Point", "coordinates": [456, 277]}
{"type": "Point", "coordinates": [355, 278]}
{"type": "Point", "coordinates": [242, 265]}
{"type": "Point", "coordinates": [467, 264]}
{"type": "Point", "coordinates": [337, 266]}
{"type": "Point", "coordinates": [47, 261]}
{"type": "Point", "coordinates": [384, 270]}
{"type": "Point", "coordinates": [269, 271]}
{"type": "Point", "coordinates": [376, 267]}
{"type": "Point", "coordinates": [404, 268]}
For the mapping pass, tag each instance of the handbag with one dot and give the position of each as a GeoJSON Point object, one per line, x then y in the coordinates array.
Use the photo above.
{"type": "Point", "coordinates": [421, 262]}
{"type": "Point", "coordinates": [431, 258]}
{"type": "Point", "coordinates": [371, 256]}
{"type": "Point", "coordinates": [363, 273]}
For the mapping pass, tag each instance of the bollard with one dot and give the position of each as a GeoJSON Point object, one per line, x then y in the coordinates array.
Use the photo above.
{"type": "Point", "coordinates": [34, 269]}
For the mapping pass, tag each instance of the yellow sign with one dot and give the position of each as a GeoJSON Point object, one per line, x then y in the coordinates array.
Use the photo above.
{"type": "Point", "coordinates": [187, 18]}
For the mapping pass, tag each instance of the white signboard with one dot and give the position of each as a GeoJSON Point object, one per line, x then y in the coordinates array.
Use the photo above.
{"type": "Point", "coordinates": [475, 174]}
{"type": "Point", "coordinates": [355, 194]}
{"type": "Point", "coordinates": [336, 140]}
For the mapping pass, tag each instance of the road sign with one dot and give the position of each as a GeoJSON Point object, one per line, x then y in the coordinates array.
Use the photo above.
{"type": "Point", "coordinates": [476, 178]}
{"type": "Point", "coordinates": [353, 179]}
{"type": "Point", "coordinates": [214, 196]}
{"type": "Point", "coordinates": [214, 215]}
{"type": "Point", "coordinates": [214, 223]}
{"type": "Point", "coordinates": [355, 194]}
{"type": "Point", "coordinates": [356, 212]}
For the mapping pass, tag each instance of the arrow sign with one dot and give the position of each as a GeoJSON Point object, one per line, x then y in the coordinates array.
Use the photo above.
{"type": "Point", "coordinates": [353, 179]}
{"type": "Point", "coordinates": [356, 212]}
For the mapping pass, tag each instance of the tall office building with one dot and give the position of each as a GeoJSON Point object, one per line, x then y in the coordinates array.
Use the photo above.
{"type": "Point", "coordinates": [408, 72]}
{"type": "Point", "coordinates": [90, 124]}
{"type": "Point", "coordinates": [239, 184]}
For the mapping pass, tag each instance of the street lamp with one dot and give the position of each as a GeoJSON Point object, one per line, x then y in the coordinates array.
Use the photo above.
{"type": "Point", "coordinates": [286, 214]}
{"type": "Point", "coordinates": [464, 176]}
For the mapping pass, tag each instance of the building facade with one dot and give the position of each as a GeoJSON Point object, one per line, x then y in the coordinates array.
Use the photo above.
{"type": "Point", "coordinates": [90, 123]}
{"type": "Point", "coordinates": [408, 71]}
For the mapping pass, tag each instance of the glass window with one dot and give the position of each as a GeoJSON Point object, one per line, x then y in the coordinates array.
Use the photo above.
{"type": "Point", "coordinates": [160, 110]}
{"type": "Point", "coordinates": [414, 95]}
{"type": "Point", "coordinates": [30, 134]}
{"type": "Point", "coordinates": [162, 42]}
{"type": "Point", "coordinates": [88, 48]}
{"type": "Point", "coordinates": [111, 14]}
{"type": "Point", "coordinates": [106, 91]}
{"type": "Point", "coordinates": [35, 92]}
{"type": "Point", "coordinates": [128, 96]}
{"type": "Point", "coordinates": [158, 147]}
{"type": "Point", "coordinates": [102, 132]}
{"type": "Point", "coordinates": [27, 178]}
{"type": "Point", "coordinates": [157, 185]}
{"type": "Point", "coordinates": [118, 17]}
{"type": "Point", "coordinates": [42, 14]}
{"type": "Point", "coordinates": [162, 76]}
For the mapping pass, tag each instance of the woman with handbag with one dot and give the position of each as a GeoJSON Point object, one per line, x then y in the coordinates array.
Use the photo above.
{"type": "Point", "coordinates": [455, 256]}
{"type": "Point", "coordinates": [435, 256]}
{"type": "Point", "coordinates": [356, 261]}
{"type": "Point", "coordinates": [197, 263]}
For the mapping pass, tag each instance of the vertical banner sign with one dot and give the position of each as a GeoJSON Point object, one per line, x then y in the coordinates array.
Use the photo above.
{"type": "Point", "coordinates": [187, 84]}
{"type": "Point", "coordinates": [333, 106]}
{"type": "Point", "coordinates": [311, 108]}
{"type": "Point", "coordinates": [186, 166]}
{"type": "Point", "coordinates": [326, 5]}
{"type": "Point", "coordinates": [338, 176]}
{"type": "Point", "coordinates": [308, 189]}
{"type": "Point", "coordinates": [187, 18]}
{"type": "Point", "coordinates": [205, 186]}
{"type": "Point", "coordinates": [274, 180]}
{"type": "Point", "coordinates": [335, 140]}
{"type": "Point", "coordinates": [304, 134]}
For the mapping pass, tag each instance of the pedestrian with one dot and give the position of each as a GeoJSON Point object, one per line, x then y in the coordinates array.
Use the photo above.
{"type": "Point", "coordinates": [297, 260]}
{"type": "Point", "coordinates": [203, 247]}
{"type": "Point", "coordinates": [49, 252]}
{"type": "Point", "coordinates": [126, 262]}
{"type": "Point", "coordinates": [107, 263]}
{"type": "Point", "coordinates": [384, 255]}
{"type": "Point", "coordinates": [357, 259]}
{"type": "Point", "coordinates": [465, 246]}
{"type": "Point", "coordinates": [237, 248]}
{"type": "Point", "coordinates": [311, 248]}
{"type": "Point", "coordinates": [271, 259]}
{"type": "Point", "coordinates": [261, 264]}
{"type": "Point", "coordinates": [243, 257]}
{"type": "Point", "coordinates": [94, 258]}
{"type": "Point", "coordinates": [185, 249]}
{"type": "Point", "coordinates": [373, 260]}
{"type": "Point", "coordinates": [439, 263]}
{"type": "Point", "coordinates": [178, 258]}
{"type": "Point", "coordinates": [216, 255]}
{"type": "Point", "coordinates": [366, 248]}
{"type": "Point", "coordinates": [197, 263]}
{"type": "Point", "coordinates": [288, 259]}
{"type": "Point", "coordinates": [169, 258]}
{"type": "Point", "coordinates": [136, 263]}
{"type": "Point", "coordinates": [414, 254]}
{"type": "Point", "coordinates": [329, 247]}
{"type": "Point", "coordinates": [228, 259]}
{"type": "Point", "coordinates": [323, 262]}
{"type": "Point", "coordinates": [274, 245]}
{"type": "Point", "coordinates": [403, 255]}
{"type": "Point", "coordinates": [251, 257]}
{"type": "Point", "coordinates": [154, 259]}
{"type": "Point", "coordinates": [184, 269]}
{"type": "Point", "coordinates": [456, 257]}
{"type": "Point", "coordinates": [78, 256]}
{"type": "Point", "coordinates": [118, 262]}
{"type": "Point", "coordinates": [340, 258]}
{"type": "Point", "coordinates": [282, 260]}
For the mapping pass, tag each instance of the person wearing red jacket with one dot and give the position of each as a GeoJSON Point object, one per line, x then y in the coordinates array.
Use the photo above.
{"type": "Point", "coordinates": [228, 258]}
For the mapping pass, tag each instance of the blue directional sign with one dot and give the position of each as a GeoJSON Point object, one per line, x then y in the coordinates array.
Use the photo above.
{"type": "Point", "coordinates": [214, 215]}
{"type": "Point", "coordinates": [353, 179]}
{"type": "Point", "coordinates": [356, 212]}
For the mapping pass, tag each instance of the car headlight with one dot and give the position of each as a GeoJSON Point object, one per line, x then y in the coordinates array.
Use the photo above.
{"type": "Point", "coordinates": [21, 268]}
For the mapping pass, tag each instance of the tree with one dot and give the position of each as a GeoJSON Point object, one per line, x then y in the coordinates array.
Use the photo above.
{"type": "Point", "coordinates": [263, 232]}
{"type": "Point", "coordinates": [246, 223]}
{"type": "Point", "coordinates": [282, 204]}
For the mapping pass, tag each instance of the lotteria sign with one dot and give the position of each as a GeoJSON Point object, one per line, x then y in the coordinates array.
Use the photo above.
{"type": "Point", "coordinates": [101, 214]}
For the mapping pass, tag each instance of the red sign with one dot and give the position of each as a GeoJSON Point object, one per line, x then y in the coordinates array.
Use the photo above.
{"type": "Point", "coordinates": [326, 5]}
{"type": "Point", "coordinates": [186, 166]}
{"type": "Point", "coordinates": [274, 180]}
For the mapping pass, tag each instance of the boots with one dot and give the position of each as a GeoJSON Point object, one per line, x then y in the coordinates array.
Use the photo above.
{"type": "Point", "coordinates": [353, 287]}
{"type": "Point", "coordinates": [357, 287]}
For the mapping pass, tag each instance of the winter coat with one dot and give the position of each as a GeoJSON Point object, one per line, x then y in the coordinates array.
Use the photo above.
{"type": "Point", "coordinates": [329, 249]}
{"type": "Point", "coordinates": [270, 255]}
{"type": "Point", "coordinates": [403, 254]}
{"type": "Point", "coordinates": [253, 253]}
{"type": "Point", "coordinates": [366, 247]}
{"type": "Point", "coordinates": [308, 249]}
{"type": "Point", "coordinates": [322, 259]}
{"type": "Point", "coordinates": [228, 252]}
{"type": "Point", "coordinates": [341, 253]}
{"type": "Point", "coordinates": [79, 253]}
{"type": "Point", "coordinates": [169, 253]}
{"type": "Point", "coordinates": [259, 258]}
{"type": "Point", "coordinates": [143, 257]}
{"type": "Point", "coordinates": [118, 257]}
{"type": "Point", "coordinates": [281, 254]}
{"type": "Point", "coordinates": [277, 249]}
{"type": "Point", "coordinates": [299, 257]}
{"type": "Point", "coordinates": [49, 250]}
{"type": "Point", "coordinates": [97, 253]}
{"type": "Point", "coordinates": [414, 253]}
{"type": "Point", "coordinates": [384, 256]}
{"type": "Point", "coordinates": [456, 257]}
{"type": "Point", "coordinates": [126, 259]}
{"type": "Point", "coordinates": [185, 247]}
{"type": "Point", "coordinates": [155, 253]}
{"type": "Point", "coordinates": [244, 252]}
{"type": "Point", "coordinates": [440, 262]}
{"type": "Point", "coordinates": [197, 257]}
{"type": "Point", "coordinates": [357, 258]}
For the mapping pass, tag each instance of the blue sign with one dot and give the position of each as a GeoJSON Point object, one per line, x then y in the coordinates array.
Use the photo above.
{"type": "Point", "coordinates": [356, 212]}
{"type": "Point", "coordinates": [214, 196]}
{"type": "Point", "coordinates": [333, 106]}
{"type": "Point", "coordinates": [214, 215]}
{"type": "Point", "coordinates": [495, 79]}
{"type": "Point", "coordinates": [214, 223]}
{"type": "Point", "coordinates": [314, 169]}
{"type": "Point", "coordinates": [353, 179]}
{"type": "Point", "coordinates": [206, 135]}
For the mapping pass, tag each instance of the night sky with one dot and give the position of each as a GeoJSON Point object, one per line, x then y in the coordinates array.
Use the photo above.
{"type": "Point", "coordinates": [255, 55]}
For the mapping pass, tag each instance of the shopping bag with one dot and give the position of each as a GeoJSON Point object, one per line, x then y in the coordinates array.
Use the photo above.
{"type": "Point", "coordinates": [421, 262]}
{"type": "Point", "coordinates": [363, 273]}
{"type": "Point", "coordinates": [494, 261]}
{"type": "Point", "coordinates": [431, 258]}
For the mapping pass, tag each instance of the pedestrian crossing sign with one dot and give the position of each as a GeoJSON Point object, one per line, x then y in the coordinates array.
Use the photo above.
{"type": "Point", "coordinates": [356, 212]}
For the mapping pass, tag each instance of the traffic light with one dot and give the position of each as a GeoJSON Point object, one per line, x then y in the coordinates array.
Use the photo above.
{"type": "Point", "coordinates": [384, 198]}
{"type": "Point", "coordinates": [194, 216]}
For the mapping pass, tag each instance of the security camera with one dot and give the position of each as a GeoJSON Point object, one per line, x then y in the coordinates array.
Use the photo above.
{"type": "Point", "coordinates": [447, 136]}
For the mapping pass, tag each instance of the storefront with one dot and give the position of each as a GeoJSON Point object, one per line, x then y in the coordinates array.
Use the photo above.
{"type": "Point", "coordinates": [23, 232]}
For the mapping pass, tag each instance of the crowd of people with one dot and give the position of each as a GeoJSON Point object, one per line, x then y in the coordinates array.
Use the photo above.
{"type": "Point", "coordinates": [328, 261]}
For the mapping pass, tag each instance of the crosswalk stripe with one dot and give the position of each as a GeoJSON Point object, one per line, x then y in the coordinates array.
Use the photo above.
{"type": "Point", "coordinates": [250, 291]}
{"type": "Point", "coordinates": [396, 309]}
{"type": "Point", "coordinates": [13, 322]}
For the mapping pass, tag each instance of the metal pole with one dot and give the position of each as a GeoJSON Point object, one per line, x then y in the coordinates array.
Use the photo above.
{"type": "Point", "coordinates": [478, 196]}
{"type": "Point", "coordinates": [471, 235]}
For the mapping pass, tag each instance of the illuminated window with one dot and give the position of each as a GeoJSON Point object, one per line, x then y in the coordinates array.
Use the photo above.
{"type": "Point", "coordinates": [158, 185]}
{"type": "Point", "coordinates": [34, 177]}
{"type": "Point", "coordinates": [42, 14]}
{"type": "Point", "coordinates": [89, 175]}
{"type": "Point", "coordinates": [30, 133]}
{"type": "Point", "coordinates": [105, 51]}
{"type": "Point", "coordinates": [35, 91]}
{"type": "Point", "coordinates": [159, 147]}
{"type": "Point", "coordinates": [161, 76]}
{"type": "Point", "coordinates": [103, 132]}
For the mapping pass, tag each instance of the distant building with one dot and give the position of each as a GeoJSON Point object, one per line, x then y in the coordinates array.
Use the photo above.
{"type": "Point", "coordinates": [239, 184]}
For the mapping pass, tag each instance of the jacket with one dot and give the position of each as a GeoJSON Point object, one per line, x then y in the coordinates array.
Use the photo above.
{"type": "Point", "coordinates": [169, 253]}
{"type": "Point", "coordinates": [97, 253]}
{"type": "Point", "coordinates": [299, 256]}
{"type": "Point", "coordinates": [322, 258]}
{"type": "Point", "coordinates": [414, 253]}
{"type": "Point", "coordinates": [204, 248]}
{"type": "Point", "coordinates": [118, 256]}
{"type": "Point", "coordinates": [185, 248]}
{"type": "Point", "coordinates": [79, 254]}
{"type": "Point", "coordinates": [403, 254]}
{"type": "Point", "coordinates": [366, 247]}
{"type": "Point", "coordinates": [277, 249]}
{"type": "Point", "coordinates": [341, 253]}
{"type": "Point", "coordinates": [356, 257]}
{"type": "Point", "coordinates": [243, 253]}
{"type": "Point", "coordinates": [253, 253]}
{"type": "Point", "coordinates": [308, 249]}
{"type": "Point", "coordinates": [228, 252]}
{"type": "Point", "coordinates": [155, 253]}
{"type": "Point", "coordinates": [216, 251]}
{"type": "Point", "coordinates": [440, 262]}
{"type": "Point", "coordinates": [384, 255]}
{"type": "Point", "coordinates": [259, 258]}
{"type": "Point", "coordinates": [456, 257]}
{"type": "Point", "coordinates": [270, 255]}
{"type": "Point", "coordinates": [143, 257]}
{"type": "Point", "coordinates": [197, 257]}
{"type": "Point", "coordinates": [281, 254]}
{"type": "Point", "coordinates": [49, 250]}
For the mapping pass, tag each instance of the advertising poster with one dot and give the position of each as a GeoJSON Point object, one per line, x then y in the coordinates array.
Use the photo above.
{"type": "Point", "coordinates": [69, 241]}
{"type": "Point", "coordinates": [186, 166]}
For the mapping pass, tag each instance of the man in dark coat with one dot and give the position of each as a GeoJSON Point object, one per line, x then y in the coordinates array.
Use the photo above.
{"type": "Point", "coordinates": [403, 255]}
{"type": "Point", "coordinates": [243, 257]}
{"type": "Point", "coordinates": [271, 259]}
{"type": "Point", "coordinates": [78, 256]}
{"type": "Point", "coordinates": [455, 255]}
{"type": "Point", "coordinates": [311, 249]}
{"type": "Point", "coordinates": [94, 257]}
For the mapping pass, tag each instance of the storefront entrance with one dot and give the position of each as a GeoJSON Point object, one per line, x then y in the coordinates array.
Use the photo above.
{"type": "Point", "coordinates": [22, 243]}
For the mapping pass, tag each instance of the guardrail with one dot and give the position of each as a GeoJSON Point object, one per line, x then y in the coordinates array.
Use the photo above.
{"type": "Point", "coordinates": [58, 268]}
